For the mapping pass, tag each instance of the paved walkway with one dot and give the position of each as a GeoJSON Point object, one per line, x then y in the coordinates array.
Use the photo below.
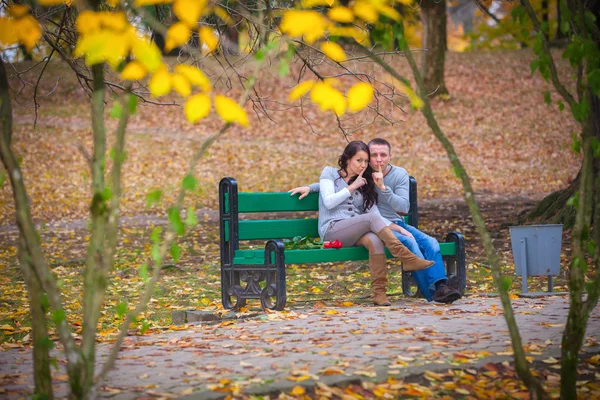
{"type": "Point", "coordinates": [280, 350]}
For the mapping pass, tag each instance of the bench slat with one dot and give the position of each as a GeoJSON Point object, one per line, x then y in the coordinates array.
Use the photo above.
{"type": "Point", "coordinates": [257, 257]}
{"type": "Point", "coordinates": [278, 229]}
{"type": "Point", "coordinates": [276, 202]}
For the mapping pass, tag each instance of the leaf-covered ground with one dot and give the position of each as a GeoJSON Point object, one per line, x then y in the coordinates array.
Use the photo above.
{"type": "Point", "coordinates": [515, 148]}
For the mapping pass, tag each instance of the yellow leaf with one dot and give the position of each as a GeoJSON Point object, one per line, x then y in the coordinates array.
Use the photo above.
{"type": "Point", "coordinates": [389, 12]}
{"type": "Point", "coordinates": [48, 3]}
{"type": "Point", "coordinates": [298, 391]}
{"type": "Point", "coordinates": [223, 15]}
{"type": "Point", "coordinates": [347, 304]}
{"type": "Point", "coordinates": [177, 34]}
{"type": "Point", "coordinates": [301, 90]}
{"type": "Point", "coordinates": [315, 3]}
{"type": "Point", "coordinates": [550, 360]}
{"type": "Point", "coordinates": [186, 392]}
{"type": "Point", "coordinates": [407, 90]}
{"type": "Point", "coordinates": [366, 11]}
{"type": "Point", "coordinates": [160, 83]}
{"type": "Point", "coordinates": [194, 75]}
{"type": "Point", "coordinates": [181, 85]}
{"type": "Point", "coordinates": [204, 300]}
{"type": "Point", "coordinates": [7, 327]}
{"type": "Point", "coordinates": [196, 108]}
{"type": "Point", "coordinates": [341, 14]}
{"type": "Point", "coordinates": [28, 31]}
{"type": "Point", "coordinates": [359, 96]}
{"type": "Point", "coordinates": [189, 11]}
{"type": "Point", "coordinates": [134, 71]}
{"type": "Point", "coordinates": [116, 21]}
{"type": "Point", "coordinates": [230, 111]}
{"type": "Point", "coordinates": [8, 37]}
{"type": "Point", "coordinates": [147, 53]}
{"type": "Point", "coordinates": [333, 51]}
{"type": "Point", "coordinates": [310, 24]}
{"type": "Point", "coordinates": [331, 312]}
{"type": "Point", "coordinates": [88, 22]}
{"type": "Point", "coordinates": [208, 38]}
{"type": "Point", "coordinates": [18, 10]}
{"type": "Point", "coordinates": [141, 3]}
{"type": "Point", "coordinates": [360, 35]}
{"type": "Point", "coordinates": [328, 98]}
{"type": "Point", "coordinates": [462, 391]}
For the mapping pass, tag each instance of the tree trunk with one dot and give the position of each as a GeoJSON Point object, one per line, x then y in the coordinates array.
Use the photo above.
{"type": "Point", "coordinates": [559, 35]}
{"type": "Point", "coordinates": [433, 16]}
{"type": "Point", "coordinates": [545, 18]}
{"type": "Point", "coordinates": [39, 327]}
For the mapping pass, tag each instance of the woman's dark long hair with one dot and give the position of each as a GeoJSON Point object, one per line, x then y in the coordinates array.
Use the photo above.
{"type": "Point", "coordinates": [368, 190]}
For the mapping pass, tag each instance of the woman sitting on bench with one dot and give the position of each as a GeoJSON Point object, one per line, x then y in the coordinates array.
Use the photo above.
{"type": "Point", "coordinates": [348, 212]}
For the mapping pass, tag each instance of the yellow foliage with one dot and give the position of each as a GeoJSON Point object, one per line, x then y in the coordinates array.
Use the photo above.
{"type": "Point", "coordinates": [194, 75]}
{"type": "Point", "coordinates": [181, 85]}
{"type": "Point", "coordinates": [113, 3]}
{"type": "Point", "coordinates": [389, 12]}
{"type": "Point", "coordinates": [87, 22]}
{"type": "Point", "coordinates": [415, 100]}
{"type": "Point", "coordinates": [359, 96]}
{"type": "Point", "coordinates": [146, 52]}
{"type": "Point", "coordinates": [223, 15]}
{"type": "Point", "coordinates": [48, 3]}
{"type": "Point", "coordinates": [230, 111]}
{"type": "Point", "coordinates": [301, 90]}
{"type": "Point", "coordinates": [116, 21]}
{"type": "Point", "coordinates": [134, 71]}
{"type": "Point", "coordinates": [177, 34]}
{"type": "Point", "coordinates": [315, 3]}
{"type": "Point", "coordinates": [298, 391]}
{"type": "Point", "coordinates": [189, 11]}
{"type": "Point", "coordinates": [366, 11]}
{"type": "Point", "coordinates": [141, 3]}
{"type": "Point", "coordinates": [196, 108]}
{"type": "Point", "coordinates": [341, 14]}
{"type": "Point", "coordinates": [328, 98]}
{"type": "Point", "coordinates": [360, 35]}
{"type": "Point", "coordinates": [8, 36]}
{"type": "Point", "coordinates": [103, 45]}
{"type": "Point", "coordinates": [208, 38]}
{"type": "Point", "coordinates": [310, 24]}
{"type": "Point", "coordinates": [160, 83]}
{"type": "Point", "coordinates": [333, 51]}
{"type": "Point", "coordinates": [18, 10]}
{"type": "Point", "coordinates": [20, 28]}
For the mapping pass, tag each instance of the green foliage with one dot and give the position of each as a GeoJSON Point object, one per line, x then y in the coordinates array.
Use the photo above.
{"type": "Point", "coordinates": [190, 219]}
{"type": "Point", "coordinates": [505, 283]}
{"type": "Point", "coordinates": [175, 221]}
{"type": "Point", "coordinates": [153, 197]}
{"type": "Point", "coordinates": [189, 182]}
{"type": "Point", "coordinates": [58, 316]}
{"type": "Point", "coordinates": [574, 200]}
{"type": "Point", "coordinates": [2, 177]}
{"type": "Point", "coordinates": [547, 98]}
{"type": "Point", "coordinates": [144, 272]}
{"type": "Point", "coordinates": [581, 110]}
{"type": "Point", "coordinates": [175, 252]}
{"type": "Point", "coordinates": [121, 309]}
{"type": "Point", "coordinates": [132, 104]}
{"type": "Point", "coordinates": [596, 147]}
{"type": "Point", "coordinates": [302, 242]}
{"type": "Point", "coordinates": [116, 111]}
{"type": "Point", "coordinates": [576, 145]}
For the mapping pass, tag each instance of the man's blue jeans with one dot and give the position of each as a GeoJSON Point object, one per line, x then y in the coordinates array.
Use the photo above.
{"type": "Point", "coordinates": [428, 248]}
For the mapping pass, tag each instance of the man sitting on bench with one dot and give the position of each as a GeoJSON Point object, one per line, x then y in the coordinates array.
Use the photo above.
{"type": "Point", "coordinates": [392, 191]}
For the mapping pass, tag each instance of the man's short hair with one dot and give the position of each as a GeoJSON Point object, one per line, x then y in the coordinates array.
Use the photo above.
{"type": "Point", "coordinates": [380, 141]}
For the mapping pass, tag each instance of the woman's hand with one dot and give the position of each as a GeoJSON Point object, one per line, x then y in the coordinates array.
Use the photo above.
{"type": "Point", "coordinates": [302, 190]}
{"type": "Point", "coordinates": [358, 182]}
{"type": "Point", "coordinates": [400, 229]}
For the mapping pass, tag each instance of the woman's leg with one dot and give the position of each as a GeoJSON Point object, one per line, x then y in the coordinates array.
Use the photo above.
{"type": "Point", "coordinates": [378, 267]}
{"type": "Point", "coordinates": [349, 230]}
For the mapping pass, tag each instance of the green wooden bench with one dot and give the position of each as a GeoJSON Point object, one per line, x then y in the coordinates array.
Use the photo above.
{"type": "Point", "coordinates": [261, 274]}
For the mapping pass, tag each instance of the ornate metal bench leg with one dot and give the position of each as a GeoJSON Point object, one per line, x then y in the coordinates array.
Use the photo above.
{"type": "Point", "coordinates": [275, 276]}
{"type": "Point", "coordinates": [231, 288]}
{"type": "Point", "coordinates": [409, 286]}
{"type": "Point", "coordinates": [456, 267]}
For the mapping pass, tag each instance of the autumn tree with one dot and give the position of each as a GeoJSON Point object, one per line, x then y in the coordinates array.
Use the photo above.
{"type": "Point", "coordinates": [434, 20]}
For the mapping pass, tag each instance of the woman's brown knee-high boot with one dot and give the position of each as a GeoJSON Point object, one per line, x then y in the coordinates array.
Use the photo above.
{"type": "Point", "coordinates": [378, 266]}
{"type": "Point", "coordinates": [410, 262]}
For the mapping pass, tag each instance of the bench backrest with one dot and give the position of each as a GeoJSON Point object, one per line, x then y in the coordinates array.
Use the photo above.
{"type": "Point", "coordinates": [232, 203]}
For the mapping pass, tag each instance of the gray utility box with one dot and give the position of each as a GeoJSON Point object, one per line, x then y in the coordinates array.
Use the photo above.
{"type": "Point", "coordinates": [536, 251]}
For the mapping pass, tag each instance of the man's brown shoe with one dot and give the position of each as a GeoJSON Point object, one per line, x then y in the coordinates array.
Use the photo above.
{"type": "Point", "coordinates": [446, 294]}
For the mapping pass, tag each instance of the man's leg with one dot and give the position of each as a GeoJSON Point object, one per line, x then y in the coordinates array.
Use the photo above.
{"type": "Point", "coordinates": [431, 281]}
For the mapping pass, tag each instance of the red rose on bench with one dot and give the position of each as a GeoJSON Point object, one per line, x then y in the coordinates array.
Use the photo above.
{"type": "Point", "coordinates": [336, 244]}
